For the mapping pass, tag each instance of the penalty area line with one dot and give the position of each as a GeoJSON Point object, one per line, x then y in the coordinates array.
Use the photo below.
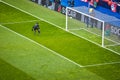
{"type": "Point", "coordinates": [57, 54]}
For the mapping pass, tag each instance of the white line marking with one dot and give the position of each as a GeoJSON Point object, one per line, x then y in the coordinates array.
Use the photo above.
{"type": "Point", "coordinates": [75, 29]}
{"type": "Point", "coordinates": [94, 65]}
{"type": "Point", "coordinates": [56, 52]}
{"type": "Point", "coordinates": [98, 36]}
{"type": "Point", "coordinates": [113, 45]}
{"type": "Point", "coordinates": [42, 46]}
{"type": "Point", "coordinates": [101, 36]}
{"type": "Point", "coordinates": [60, 27]}
{"type": "Point", "coordinates": [19, 22]}
{"type": "Point", "coordinates": [84, 38]}
{"type": "Point", "coordinates": [95, 43]}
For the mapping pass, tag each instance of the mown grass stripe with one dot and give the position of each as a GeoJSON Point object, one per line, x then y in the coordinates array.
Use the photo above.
{"type": "Point", "coordinates": [13, 26]}
{"type": "Point", "coordinates": [6, 70]}
{"type": "Point", "coordinates": [93, 65]}
{"type": "Point", "coordinates": [41, 46]}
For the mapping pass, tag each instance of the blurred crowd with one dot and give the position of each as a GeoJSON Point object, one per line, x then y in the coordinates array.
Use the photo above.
{"type": "Point", "coordinates": [55, 4]}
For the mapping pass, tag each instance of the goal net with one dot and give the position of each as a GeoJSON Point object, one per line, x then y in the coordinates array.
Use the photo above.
{"type": "Point", "coordinates": [92, 28]}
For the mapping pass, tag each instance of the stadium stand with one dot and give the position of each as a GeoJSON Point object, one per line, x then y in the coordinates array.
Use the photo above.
{"type": "Point", "coordinates": [105, 16]}
{"type": "Point", "coordinates": [82, 5]}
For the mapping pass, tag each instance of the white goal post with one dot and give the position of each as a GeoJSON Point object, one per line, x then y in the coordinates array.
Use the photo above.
{"type": "Point", "coordinates": [86, 24]}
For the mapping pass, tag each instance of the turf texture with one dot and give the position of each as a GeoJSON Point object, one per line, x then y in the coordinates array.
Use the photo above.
{"type": "Point", "coordinates": [64, 43]}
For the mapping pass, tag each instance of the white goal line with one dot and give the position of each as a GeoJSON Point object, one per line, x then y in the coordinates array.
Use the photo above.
{"type": "Point", "coordinates": [76, 29]}
{"type": "Point", "coordinates": [19, 22]}
{"type": "Point", "coordinates": [113, 45]}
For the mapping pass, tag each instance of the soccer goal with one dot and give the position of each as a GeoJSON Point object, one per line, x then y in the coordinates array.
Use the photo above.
{"type": "Point", "coordinates": [92, 28]}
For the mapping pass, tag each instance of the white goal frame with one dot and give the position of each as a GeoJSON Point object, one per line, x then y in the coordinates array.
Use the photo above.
{"type": "Point", "coordinates": [103, 23]}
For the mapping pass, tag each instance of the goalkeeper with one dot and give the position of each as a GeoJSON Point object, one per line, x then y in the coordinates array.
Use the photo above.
{"type": "Point", "coordinates": [36, 28]}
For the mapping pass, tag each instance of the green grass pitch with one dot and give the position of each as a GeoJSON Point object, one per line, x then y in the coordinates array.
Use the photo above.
{"type": "Point", "coordinates": [21, 59]}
